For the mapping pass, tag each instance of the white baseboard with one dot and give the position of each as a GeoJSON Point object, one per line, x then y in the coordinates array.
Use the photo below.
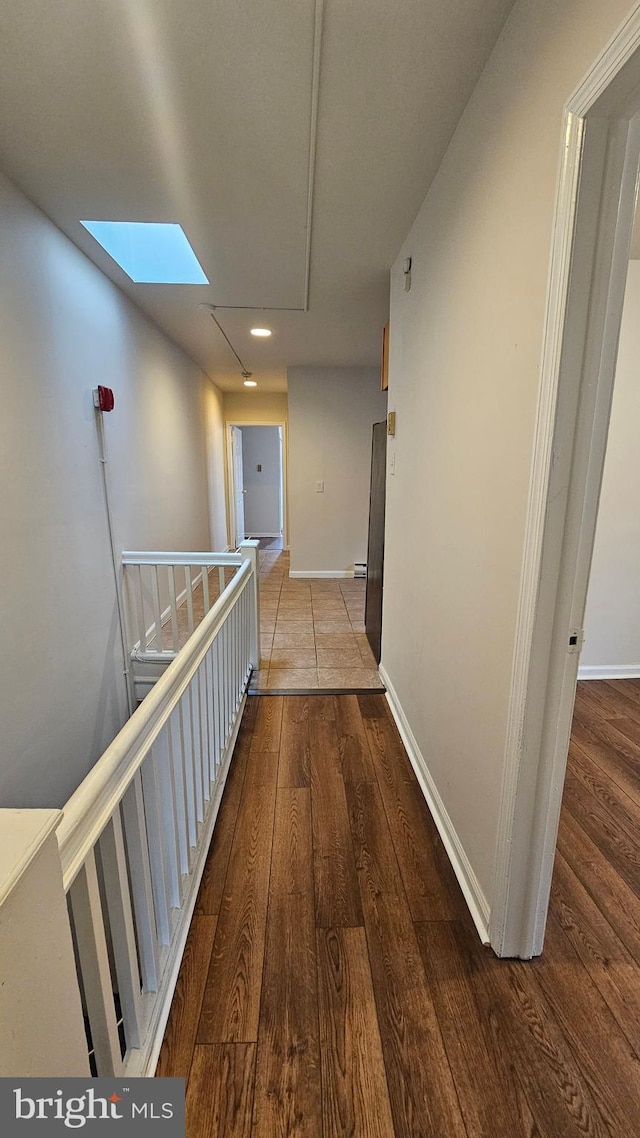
{"type": "Point", "coordinates": [313, 573]}
{"type": "Point", "coordinates": [609, 672]}
{"type": "Point", "coordinates": [473, 894]}
{"type": "Point", "coordinates": [255, 534]}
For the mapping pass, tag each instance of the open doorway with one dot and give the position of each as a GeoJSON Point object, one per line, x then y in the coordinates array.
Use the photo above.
{"type": "Point", "coordinates": [591, 243]}
{"type": "Point", "coordinates": [611, 648]}
{"type": "Point", "coordinates": [257, 483]}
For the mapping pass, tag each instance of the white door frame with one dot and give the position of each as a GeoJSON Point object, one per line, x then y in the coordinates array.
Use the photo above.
{"type": "Point", "coordinates": [229, 473]}
{"type": "Point", "coordinates": [590, 250]}
{"type": "Point", "coordinates": [237, 467]}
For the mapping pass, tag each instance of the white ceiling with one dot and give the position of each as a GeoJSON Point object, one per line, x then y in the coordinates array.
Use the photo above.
{"type": "Point", "coordinates": [200, 111]}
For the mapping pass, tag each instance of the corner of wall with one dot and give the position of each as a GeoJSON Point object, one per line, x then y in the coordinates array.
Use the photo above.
{"type": "Point", "coordinates": [214, 417]}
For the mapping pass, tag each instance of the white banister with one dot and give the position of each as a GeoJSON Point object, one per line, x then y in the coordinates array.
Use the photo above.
{"type": "Point", "coordinates": [123, 937]}
{"type": "Point", "coordinates": [189, 591]}
{"type": "Point", "coordinates": [141, 889]}
{"type": "Point", "coordinates": [196, 737]}
{"type": "Point", "coordinates": [152, 584]}
{"type": "Point", "coordinates": [187, 766]}
{"type": "Point", "coordinates": [130, 845]}
{"type": "Point", "coordinates": [139, 607]}
{"type": "Point", "coordinates": [133, 837]}
{"type": "Point", "coordinates": [157, 853]}
{"type": "Point", "coordinates": [182, 558]}
{"type": "Point", "coordinates": [205, 590]}
{"type": "Point", "coordinates": [98, 795]}
{"type": "Point", "coordinates": [179, 790]}
{"type": "Point", "coordinates": [93, 963]}
{"type": "Point", "coordinates": [173, 602]}
{"type": "Point", "coordinates": [157, 610]}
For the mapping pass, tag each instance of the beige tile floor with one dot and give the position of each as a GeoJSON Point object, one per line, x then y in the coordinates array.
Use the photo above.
{"type": "Point", "coordinates": [312, 631]}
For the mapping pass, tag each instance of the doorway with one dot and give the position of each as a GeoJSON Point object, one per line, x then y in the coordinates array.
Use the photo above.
{"type": "Point", "coordinates": [612, 617]}
{"type": "Point", "coordinates": [591, 242]}
{"type": "Point", "coordinates": [256, 467]}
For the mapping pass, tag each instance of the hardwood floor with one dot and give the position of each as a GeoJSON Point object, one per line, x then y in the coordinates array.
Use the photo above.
{"type": "Point", "coordinates": [333, 983]}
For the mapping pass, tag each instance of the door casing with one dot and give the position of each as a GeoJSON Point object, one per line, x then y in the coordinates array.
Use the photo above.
{"type": "Point", "coordinates": [229, 473]}
{"type": "Point", "coordinates": [590, 249]}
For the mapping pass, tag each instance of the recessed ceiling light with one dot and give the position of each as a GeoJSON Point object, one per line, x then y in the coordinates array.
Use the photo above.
{"type": "Point", "coordinates": [260, 331]}
{"type": "Point", "coordinates": [149, 252]}
{"type": "Point", "coordinates": [250, 383]}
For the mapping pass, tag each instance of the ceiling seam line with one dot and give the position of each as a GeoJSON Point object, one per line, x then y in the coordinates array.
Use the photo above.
{"type": "Point", "coordinates": [313, 139]}
{"type": "Point", "coordinates": [254, 308]}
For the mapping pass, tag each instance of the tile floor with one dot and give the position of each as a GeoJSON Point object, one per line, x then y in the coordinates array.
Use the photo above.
{"type": "Point", "coordinates": [312, 632]}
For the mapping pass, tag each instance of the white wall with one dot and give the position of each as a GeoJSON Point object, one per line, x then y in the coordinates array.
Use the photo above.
{"type": "Point", "coordinates": [64, 329]}
{"type": "Point", "coordinates": [261, 447]}
{"type": "Point", "coordinates": [331, 413]}
{"type": "Point", "coordinates": [612, 620]}
{"type": "Point", "coordinates": [465, 349]}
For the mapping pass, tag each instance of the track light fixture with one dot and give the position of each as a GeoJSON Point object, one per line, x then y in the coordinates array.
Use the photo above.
{"type": "Point", "coordinates": [211, 309]}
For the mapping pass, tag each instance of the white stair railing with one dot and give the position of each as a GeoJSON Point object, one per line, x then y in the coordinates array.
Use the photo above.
{"type": "Point", "coordinates": [161, 590]}
{"type": "Point", "coordinates": [167, 595]}
{"type": "Point", "coordinates": [134, 836]}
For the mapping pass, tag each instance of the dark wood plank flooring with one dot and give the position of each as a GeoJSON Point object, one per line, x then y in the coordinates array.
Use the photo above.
{"type": "Point", "coordinates": [333, 983]}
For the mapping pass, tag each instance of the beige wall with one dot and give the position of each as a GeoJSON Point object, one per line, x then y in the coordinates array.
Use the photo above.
{"type": "Point", "coordinates": [64, 329]}
{"type": "Point", "coordinates": [331, 413]}
{"type": "Point", "coordinates": [612, 619]}
{"type": "Point", "coordinates": [464, 374]}
{"type": "Point", "coordinates": [255, 407]}
{"type": "Point", "coordinates": [214, 419]}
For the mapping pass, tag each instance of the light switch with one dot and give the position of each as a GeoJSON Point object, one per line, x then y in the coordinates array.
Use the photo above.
{"type": "Point", "coordinates": [319, 487]}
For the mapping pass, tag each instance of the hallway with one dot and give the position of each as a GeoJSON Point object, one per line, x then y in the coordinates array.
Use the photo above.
{"type": "Point", "coordinates": [333, 983]}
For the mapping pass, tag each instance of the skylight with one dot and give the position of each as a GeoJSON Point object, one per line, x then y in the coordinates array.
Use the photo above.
{"type": "Point", "coordinates": [150, 252]}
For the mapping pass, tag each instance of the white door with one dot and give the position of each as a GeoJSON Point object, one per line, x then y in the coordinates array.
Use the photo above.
{"type": "Point", "coordinates": [238, 484]}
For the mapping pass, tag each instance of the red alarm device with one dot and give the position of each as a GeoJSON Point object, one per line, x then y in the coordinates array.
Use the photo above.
{"type": "Point", "coordinates": [103, 398]}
